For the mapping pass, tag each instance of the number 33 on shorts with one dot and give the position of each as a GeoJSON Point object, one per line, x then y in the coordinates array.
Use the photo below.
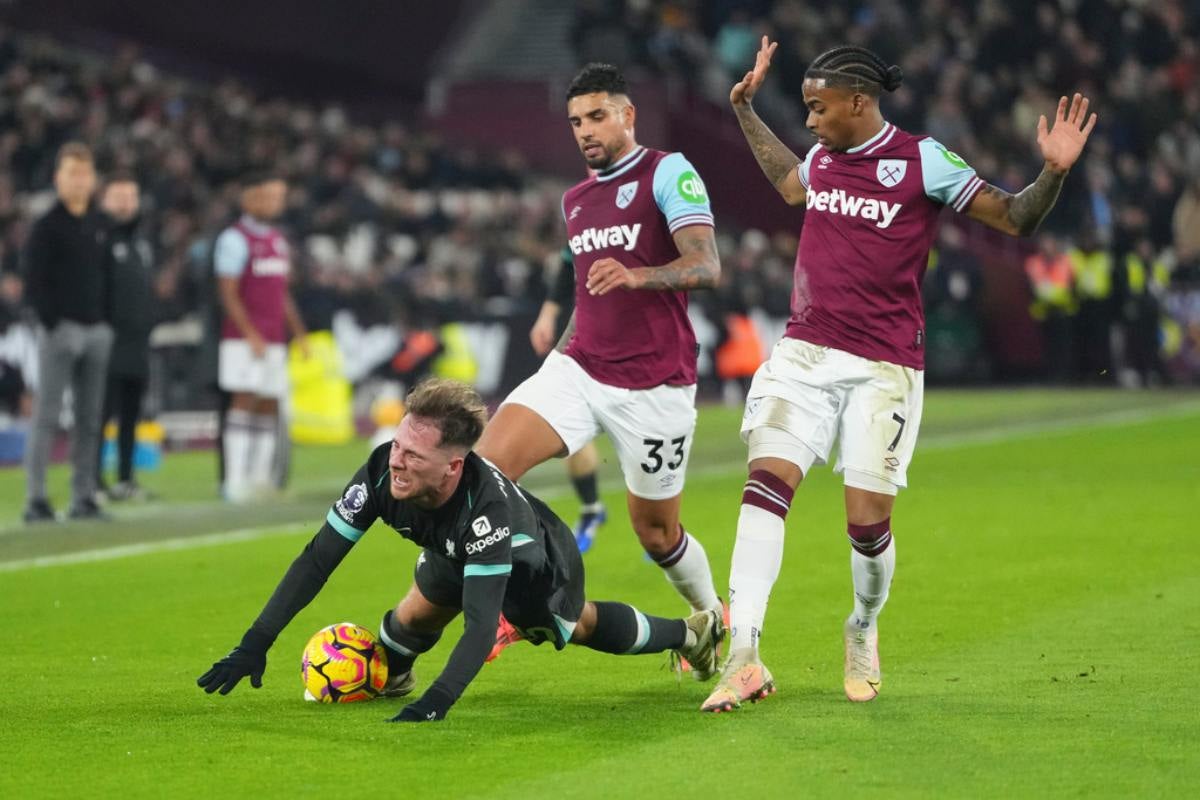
{"type": "Point", "coordinates": [654, 454]}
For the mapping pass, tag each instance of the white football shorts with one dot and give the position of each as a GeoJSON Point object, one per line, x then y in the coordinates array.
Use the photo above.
{"type": "Point", "coordinates": [239, 371]}
{"type": "Point", "coordinates": [651, 429]}
{"type": "Point", "coordinates": [805, 396]}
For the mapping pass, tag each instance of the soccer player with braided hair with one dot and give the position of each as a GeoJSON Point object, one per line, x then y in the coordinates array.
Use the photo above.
{"type": "Point", "coordinates": [851, 364]}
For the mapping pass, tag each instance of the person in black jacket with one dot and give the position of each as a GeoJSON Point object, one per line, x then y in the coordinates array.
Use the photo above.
{"type": "Point", "coordinates": [130, 264]}
{"type": "Point", "coordinates": [66, 284]}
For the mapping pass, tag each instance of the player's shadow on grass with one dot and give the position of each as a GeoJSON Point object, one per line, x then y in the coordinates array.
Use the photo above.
{"type": "Point", "coordinates": [573, 708]}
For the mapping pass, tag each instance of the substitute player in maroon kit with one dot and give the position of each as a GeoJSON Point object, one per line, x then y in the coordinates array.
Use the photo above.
{"type": "Point", "coordinates": [851, 365]}
{"type": "Point", "coordinates": [253, 265]}
{"type": "Point", "coordinates": [641, 233]}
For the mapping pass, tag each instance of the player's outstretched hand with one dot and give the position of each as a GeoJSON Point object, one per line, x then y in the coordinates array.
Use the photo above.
{"type": "Point", "coordinates": [743, 91]}
{"type": "Point", "coordinates": [1062, 144]}
{"type": "Point", "coordinates": [229, 671]}
{"type": "Point", "coordinates": [607, 274]}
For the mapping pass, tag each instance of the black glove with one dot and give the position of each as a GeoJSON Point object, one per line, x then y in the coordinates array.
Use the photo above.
{"type": "Point", "coordinates": [433, 706]}
{"type": "Point", "coordinates": [248, 658]}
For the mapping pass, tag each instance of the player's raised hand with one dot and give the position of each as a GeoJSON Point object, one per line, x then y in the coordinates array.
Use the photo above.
{"type": "Point", "coordinates": [607, 274]}
{"type": "Point", "coordinates": [743, 91]}
{"type": "Point", "coordinates": [229, 671]}
{"type": "Point", "coordinates": [1062, 144]}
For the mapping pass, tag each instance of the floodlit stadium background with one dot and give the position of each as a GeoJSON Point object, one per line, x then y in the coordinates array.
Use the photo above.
{"type": "Point", "coordinates": [1045, 607]}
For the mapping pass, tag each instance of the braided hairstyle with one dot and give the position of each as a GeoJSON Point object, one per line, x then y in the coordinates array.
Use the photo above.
{"type": "Point", "coordinates": [855, 68]}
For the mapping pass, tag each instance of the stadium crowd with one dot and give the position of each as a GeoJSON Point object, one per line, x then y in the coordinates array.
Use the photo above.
{"type": "Point", "coordinates": [390, 222]}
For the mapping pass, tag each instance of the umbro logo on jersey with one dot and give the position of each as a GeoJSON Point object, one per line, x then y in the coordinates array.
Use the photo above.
{"type": "Point", "coordinates": [623, 236]}
{"type": "Point", "coordinates": [837, 201]}
{"type": "Point", "coordinates": [575, 212]}
{"type": "Point", "coordinates": [625, 194]}
{"type": "Point", "coordinates": [825, 162]}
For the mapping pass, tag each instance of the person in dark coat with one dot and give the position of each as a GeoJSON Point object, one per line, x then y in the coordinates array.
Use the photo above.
{"type": "Point", "coordinates": [66, 284]}
{"type": "Point", "coordinates": [131, 312]}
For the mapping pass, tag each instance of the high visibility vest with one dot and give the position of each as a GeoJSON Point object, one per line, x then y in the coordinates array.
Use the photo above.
{"type": "Point", "coordinates": [456, 361]}
{"type": "Point", "coordinates": [1139, 277]}
{"type": "Point", "coordinates": [742, 353]}
{"type": "Point", "coordinates": [1051, 280]}
{"type": "Point", "coordinates": [1093, 273]}
{"type": "Point", "coordinates": [321, 405]}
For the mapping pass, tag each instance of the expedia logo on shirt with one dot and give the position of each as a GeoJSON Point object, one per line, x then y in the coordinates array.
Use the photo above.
{"type": "Point", "coordinates": [479, 545]}
{"type": "Point", "coordinates": [624, 236]}
{"type": "Point", "coordinates": [837, 201]}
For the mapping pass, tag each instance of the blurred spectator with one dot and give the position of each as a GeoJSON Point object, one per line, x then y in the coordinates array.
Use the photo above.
{"type": "Point", "coordinates": [1092, 265]}
{"type": "Point", "coordinates": [67, 283]}
{"type": "Point", "coordinates": [1052, 281]}
{"type": "Point", "coordinates": [954, 350]}
{"type": "Point", "coordinates": [1141, 281]}
{"type": "Point", "coordinates": [131, 311]}
{"type": "Point", "coordinates": [1186, 225]}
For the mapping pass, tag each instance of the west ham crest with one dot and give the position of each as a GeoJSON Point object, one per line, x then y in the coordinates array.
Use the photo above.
{"type": "Point", "coordinates": [625, 194]}
{"type": "Point", "coordinates": [890, 171]}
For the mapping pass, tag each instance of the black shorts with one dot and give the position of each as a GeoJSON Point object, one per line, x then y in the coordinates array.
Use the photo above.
{"type": "Point", "coordinates": [544, 605]}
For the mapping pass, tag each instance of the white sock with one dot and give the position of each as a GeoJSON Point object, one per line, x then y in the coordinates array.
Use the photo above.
{"type": "Point", "coordinates": [872, 580]}
{"type": "Point", "coordinates": [262, 452]}
{"type": "Point", "coordinates": [757, 557]}
{"type": "Point", "coordinates": [237, 440]}
{"type": "Point", "coordinates": [688, 571]}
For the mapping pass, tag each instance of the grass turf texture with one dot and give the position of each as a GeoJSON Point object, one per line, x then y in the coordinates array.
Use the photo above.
{"type": "Point", "coordinates": [1041, 628]}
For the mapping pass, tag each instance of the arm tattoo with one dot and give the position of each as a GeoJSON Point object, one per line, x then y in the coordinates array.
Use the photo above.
{"type": "Point", "coordinates": [698, 266]}
{"type": "Point", "coordinates": [1029, 207]}
{"type": "Point", "coordinates": [567, 333]}
{"type": "Point", "coordinates": [773, 156]}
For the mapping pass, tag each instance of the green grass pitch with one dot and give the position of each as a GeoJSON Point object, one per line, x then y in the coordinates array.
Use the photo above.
{"type": "Point", "coordinates": [1041, 631]}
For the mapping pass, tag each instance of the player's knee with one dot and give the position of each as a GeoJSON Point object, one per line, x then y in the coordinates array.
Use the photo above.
{"type": "Point", "coordinates": [868, 499]}
{"type": "Point", "coordinates": [659, 538]}
{"type": "Point", "coordinates": [586, 624]}
{"type": "Point", "coordinates": [870, 540]}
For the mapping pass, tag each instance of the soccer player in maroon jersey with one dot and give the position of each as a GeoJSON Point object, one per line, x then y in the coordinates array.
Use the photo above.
{"type": "Point", "coordinates": [851, 364]}
{"type": "Point", "coordinates": [641, 234]}
{"type": "Point", "coordinates": [253, 265]}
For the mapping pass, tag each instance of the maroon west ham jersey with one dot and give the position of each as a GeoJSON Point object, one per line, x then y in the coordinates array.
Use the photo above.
{"type": "Point", "coordinates": [257, 255]}
{"type": "Point", "coordinates": [870, 219]}
{"type": "Point", "coordinates": [634, 339]}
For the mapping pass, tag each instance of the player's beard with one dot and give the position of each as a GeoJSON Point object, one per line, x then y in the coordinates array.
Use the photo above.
{"type": "Point", "coordinates": [603, 161]}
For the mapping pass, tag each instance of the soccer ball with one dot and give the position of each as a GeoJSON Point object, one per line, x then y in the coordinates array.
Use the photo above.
{"type": "Point", "coordinates": [343, 664]}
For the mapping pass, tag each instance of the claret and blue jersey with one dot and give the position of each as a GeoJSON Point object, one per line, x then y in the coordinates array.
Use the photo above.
{"type": "Point", "coordinates": [870, 220]}
{"type": "Point", "coordinates": [630, 212]}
